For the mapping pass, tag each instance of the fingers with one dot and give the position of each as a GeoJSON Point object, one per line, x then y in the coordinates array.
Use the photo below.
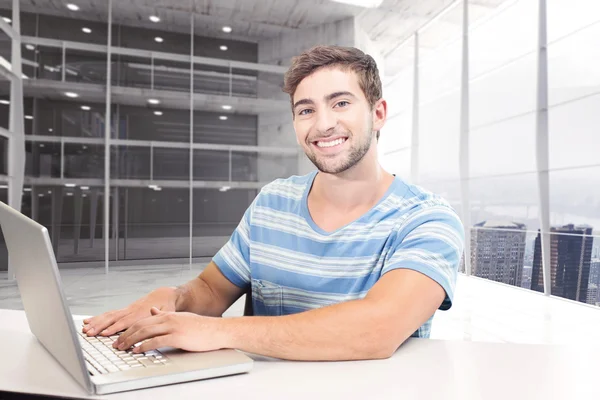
{"type": "Point", "coordinates": [155, 343]}
{"type": "Point", "coordinates": [140, 331]}
{"type": "Point", "coordinates": [97, 324]}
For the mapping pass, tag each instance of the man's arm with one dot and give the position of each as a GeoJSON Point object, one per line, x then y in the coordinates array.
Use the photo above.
{"type": "Point", "coordinates": [370, 328]}
{"type": "Point", "coordinates": [208, 294]}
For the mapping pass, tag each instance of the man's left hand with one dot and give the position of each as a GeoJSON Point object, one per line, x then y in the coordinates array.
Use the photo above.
{"type": "Point", "coordinates": [181, 330]}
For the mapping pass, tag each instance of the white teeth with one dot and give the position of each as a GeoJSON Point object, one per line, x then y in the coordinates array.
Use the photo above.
{"type": "Point", "coordinates": [332, 143]}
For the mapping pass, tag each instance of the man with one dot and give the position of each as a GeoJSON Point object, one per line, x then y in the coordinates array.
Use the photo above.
{"type": "Point", "coordinates": [344, 263]}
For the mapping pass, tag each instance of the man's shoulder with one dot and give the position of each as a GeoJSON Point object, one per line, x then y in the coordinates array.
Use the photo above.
{"type": "Point", "coordinates": [415, 201]}
{"type": "Point", "coordinates": [282, 189]}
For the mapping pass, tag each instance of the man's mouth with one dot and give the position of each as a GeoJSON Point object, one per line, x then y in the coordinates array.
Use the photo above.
{"type": "Point", "coordinates": [330, 142]}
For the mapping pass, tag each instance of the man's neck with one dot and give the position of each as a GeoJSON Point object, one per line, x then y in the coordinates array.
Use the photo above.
{"type": "Point", "coordinates": [360, 186]}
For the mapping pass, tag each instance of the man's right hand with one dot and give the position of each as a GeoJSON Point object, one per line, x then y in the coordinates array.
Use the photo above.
{"type": "Point", "coordinates": [110, 322]}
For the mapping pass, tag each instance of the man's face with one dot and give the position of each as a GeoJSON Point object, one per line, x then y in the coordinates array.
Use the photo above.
{"type": "Point", "coordinates": [333, 120]}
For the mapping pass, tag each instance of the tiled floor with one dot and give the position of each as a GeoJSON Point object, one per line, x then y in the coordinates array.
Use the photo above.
{"type": "Point", "coordinates": [482, 311]}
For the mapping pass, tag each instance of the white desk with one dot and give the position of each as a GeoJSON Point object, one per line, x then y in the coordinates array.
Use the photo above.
{"type": "Point", "coordinates": [420, 369]}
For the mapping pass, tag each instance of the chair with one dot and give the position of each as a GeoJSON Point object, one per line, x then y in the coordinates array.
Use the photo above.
{"type": "Point", "coordinates": [248, 309]}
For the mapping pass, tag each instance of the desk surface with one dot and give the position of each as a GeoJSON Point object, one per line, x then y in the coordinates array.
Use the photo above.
{"type": "Point", "coordinates": [420, 369]}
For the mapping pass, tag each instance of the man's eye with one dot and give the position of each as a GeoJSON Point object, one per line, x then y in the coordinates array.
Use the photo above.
{"type": "Point", "coordinates": [304, 112]}
{"type": "Point", "coordinates": [342, 103]}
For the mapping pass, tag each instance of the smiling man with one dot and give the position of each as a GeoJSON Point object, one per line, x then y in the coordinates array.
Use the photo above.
{"type": "Point", "coordinates": [344, 263]}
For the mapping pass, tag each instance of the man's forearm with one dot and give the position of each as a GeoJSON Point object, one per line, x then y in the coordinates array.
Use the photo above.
{"type": "Point", "coordinates": [347, 331]}
{"type": "Point", "coordinates": [196, 296]}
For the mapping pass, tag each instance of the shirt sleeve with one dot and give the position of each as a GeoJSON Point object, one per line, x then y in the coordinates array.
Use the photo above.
{"type": "Point", "coordinates": [431, 241]}
{"type": "Point", "coordinates": [233, 260]}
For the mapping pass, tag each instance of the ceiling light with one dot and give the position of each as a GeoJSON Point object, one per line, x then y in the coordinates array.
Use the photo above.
{"type": "Point", "coordinates": [152, 186]}
{"type": "Point", "coordinates": [3, 187]}
{"type": "Point", "coordinates": [361, 3]}
{"type": "Point", "coordinates": [157, 189]}
{"type": "Point", "coordinates": [223, 117]}
{"type": "Point", "coordinates": [153, 101]}
{"type": "Point", "coordinates": [158, 39]}
{"type": "Point", "coordinates": [85, 188]}
{"type": "Point", "coordinates": [226, 107]}
{"type": "Point", "coordinates": [27, 189]}
{"type": "Point", "coordinates": [224, 188]}
{"type": "Point", "coordinates": [28, 117]}
{"type": "Point", "coordinates": [227, 29]}
{"type": "Point", "coordinates": [86, 108]}
{"type": "Point", "coordinates": [86, 30]}
{"type": "Point", "coordinates": [30, 47]}
{"type": "Point", "coordinates": [84, 147]}
{"type": "Point", "coordinates": [49, 191]}
{"type": "Point", "coordinates": [158, 113]}
{"type": "Point", "coordinates": [70, 185]}
{"type": "Point", "coordinates": [69, 194]}
{"type": "Point", "coordinates": [5, 102]}
{"type": "Point", "coordinates": [7, 20]}
{"type": "Point", "coordinates": [73, 7]}
{"type": "Point", "coordinates": [154, 18]}
{"type": "Point", "coordinates": [42, 145]}
{"type": "Point", "coordinates": [41, 195]}
{"type": "Point", "coordinates": [223, 48]}
{"type": "Point", "coordinates": [50, 130]}
{"type": "Point", "coordinates": [71, 95]}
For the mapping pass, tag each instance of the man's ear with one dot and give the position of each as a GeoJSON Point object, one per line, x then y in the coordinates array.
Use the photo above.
{"type": "Point", "coordinates": [379, 114]}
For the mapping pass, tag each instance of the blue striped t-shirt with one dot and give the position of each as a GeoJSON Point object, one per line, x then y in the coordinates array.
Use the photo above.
{"type": "Point", "coordinates": [293, 265]}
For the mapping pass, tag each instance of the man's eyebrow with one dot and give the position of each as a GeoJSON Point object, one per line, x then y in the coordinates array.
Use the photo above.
{"type": "Point", "coordinates": [303, 101]}
{"type": "Point", "coordinates": [332, 96]}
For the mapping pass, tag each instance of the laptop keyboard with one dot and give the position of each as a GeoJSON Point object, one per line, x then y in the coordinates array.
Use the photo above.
{"type": "Point", "coordinates": [99, 353]}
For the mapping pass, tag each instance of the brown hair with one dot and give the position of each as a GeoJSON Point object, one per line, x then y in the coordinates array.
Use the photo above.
{"type": "Point", "coordinates": [345, 57]}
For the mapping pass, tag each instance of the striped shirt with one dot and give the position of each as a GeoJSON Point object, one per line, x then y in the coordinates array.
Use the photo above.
{"type": "Point", "coordinates": [292, 265]}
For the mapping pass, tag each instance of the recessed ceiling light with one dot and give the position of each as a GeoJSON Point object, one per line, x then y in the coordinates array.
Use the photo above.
{"type": "Point", "coordinates": [86, 108]}
{"type": "Point", "coordinates": [29, 117]}
{"type": "Point", "coordinates": [84, 147]}
{"type": "Point", "coordinates": [69, 194]}
{"type": "Point", "coordinates": [72, 95]}
{"type": "Point", "coordinates": [7, 20]}
{"type": "Point", "coordinates": [154, 18]}
{"type": "Point", "coordinates": [157, 189]}
{"type": "Point", "coordinates": [73, 7]}
{"type": "Point", "coordinates": [27, 189]}
{"type": "Point", "coordinates": [5, 102]}
{"type": "Point", "coordinates": [361, 3]}
{"type": "Point", "coordinates": [50, 130]}
{"type": "Point", "coordinates": [42, 145]}
{"type": "Point", "coordinates": [30, 47]}
{"type": "Point", "coordinates": [158, 39]}
{"type": "Point", "coordinates": [223, 117]}
{"type": "Point", "coordinates": [41, 195]}
{"type": "Point", "coordinates": [49, 191]}
{"type": "Point", "coordinates": [153, 101]}
{"type": "Point", "coordinates": [224, 188]}
{"type": "Point", "coordinates": [227, 29]}
{"type": "Point", "coordinates": [86, 30]}
{"type": "Point", "coordinates": [226, 107]}
{"type": "Point", "coordinates": [70, 185]}
{"type": "Point", "coordinates": [223, 48]}
{"type": "Point", "coordinates": [85, 188]}
{"type": "Point", "coordinates": [158, 113]}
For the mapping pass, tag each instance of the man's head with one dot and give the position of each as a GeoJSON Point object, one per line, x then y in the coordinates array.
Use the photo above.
{"type": "Point", "coordinates": [336, 105]}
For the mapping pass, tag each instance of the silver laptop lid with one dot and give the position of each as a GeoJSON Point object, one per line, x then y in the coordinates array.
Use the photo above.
{"type": "Point", "coordinates": [48, 315]}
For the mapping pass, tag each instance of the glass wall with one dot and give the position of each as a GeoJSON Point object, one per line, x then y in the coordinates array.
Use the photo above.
{"type": "Point", "coordinates": [503, 190]}
{"type": "Point", "coordinates": [183, 118]}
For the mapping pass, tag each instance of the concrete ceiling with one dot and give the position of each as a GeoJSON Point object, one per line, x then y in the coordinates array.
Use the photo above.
{"type": "Point", "coordinates": [388, 26]}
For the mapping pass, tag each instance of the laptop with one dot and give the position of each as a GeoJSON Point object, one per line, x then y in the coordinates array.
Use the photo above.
{"type": "Point", "coordinates": [92, 361]}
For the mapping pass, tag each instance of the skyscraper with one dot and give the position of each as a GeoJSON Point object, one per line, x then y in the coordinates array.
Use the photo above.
{"type": "Point", "coordinates": [497, 251]}
{"type": "Point", "coordinates": [595, 271]}
{"type": "Point", "coordinates": [570, 256]}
